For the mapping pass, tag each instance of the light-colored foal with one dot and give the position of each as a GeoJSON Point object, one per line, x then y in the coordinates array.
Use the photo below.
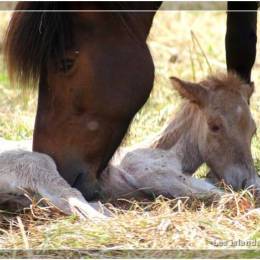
{"type": "Point", "coordinates": [23, 171]}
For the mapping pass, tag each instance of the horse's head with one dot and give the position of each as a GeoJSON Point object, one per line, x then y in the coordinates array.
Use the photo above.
{"type": "Point", "coordinates": [95, 71]}
{"type": "Point", "coordinates": [226, 126]}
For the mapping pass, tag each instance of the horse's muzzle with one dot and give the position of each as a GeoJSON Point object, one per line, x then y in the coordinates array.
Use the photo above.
{"type": "Point", "coordinates": [89, 188]}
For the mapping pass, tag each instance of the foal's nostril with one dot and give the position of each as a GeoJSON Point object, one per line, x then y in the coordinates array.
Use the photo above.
{"type": "Point", "coordinates": [244, 184]}
{"type": "Point", "coordinates": [239, 177]}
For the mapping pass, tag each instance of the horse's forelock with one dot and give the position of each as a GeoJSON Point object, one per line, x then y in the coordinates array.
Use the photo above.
{"type": "Point", "coordinates": [33, 38]}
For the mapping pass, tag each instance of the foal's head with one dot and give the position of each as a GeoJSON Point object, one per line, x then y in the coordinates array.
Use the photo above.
{"type": "Point", "coordinates": [226, 127]}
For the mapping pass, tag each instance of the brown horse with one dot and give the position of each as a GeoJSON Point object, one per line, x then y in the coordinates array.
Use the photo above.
{"type": "Point", "coordinates": [94, 72]}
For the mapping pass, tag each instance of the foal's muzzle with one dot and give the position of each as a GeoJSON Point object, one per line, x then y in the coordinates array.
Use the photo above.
{"type": "Point", "coordinates": [240, 177]}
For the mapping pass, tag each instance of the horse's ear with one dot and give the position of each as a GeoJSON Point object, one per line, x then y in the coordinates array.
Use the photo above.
{"type": "Point", "coordinates": [192, 91]}
{"type": "Point", "coordinates": [248, 90]}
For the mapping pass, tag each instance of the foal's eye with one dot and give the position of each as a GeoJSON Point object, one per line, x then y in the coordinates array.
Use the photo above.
{"type": "Point", "coordinates": [66, 65]}
{"type": "Point", "coordinates": [214, 128]}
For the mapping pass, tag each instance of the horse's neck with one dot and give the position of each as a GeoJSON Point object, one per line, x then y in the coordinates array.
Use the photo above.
{"type": "Point", "coordinates": [181, 138]}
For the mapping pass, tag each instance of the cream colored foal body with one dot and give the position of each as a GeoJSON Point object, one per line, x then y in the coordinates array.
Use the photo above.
{"type": "Point", "coordinates": [24, 171]}
{"type": "Point", "coordinates": [142, 172]}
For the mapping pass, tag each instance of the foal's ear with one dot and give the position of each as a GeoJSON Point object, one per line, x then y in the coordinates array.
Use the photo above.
{"type": "Point", "coordinates": [248, 90]}
{"type": "Point", "coordinates": [192, 91]}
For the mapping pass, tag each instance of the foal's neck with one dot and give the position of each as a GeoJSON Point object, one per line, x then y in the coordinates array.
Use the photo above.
{"type": "Point", "coordinates": [181, 137]}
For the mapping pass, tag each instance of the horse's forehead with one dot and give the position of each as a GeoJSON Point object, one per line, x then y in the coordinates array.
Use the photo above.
{"type": "Point", "coordinates": [92, 15]}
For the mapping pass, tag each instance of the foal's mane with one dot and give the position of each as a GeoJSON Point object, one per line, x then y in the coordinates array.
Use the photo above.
{"type": "Point", "coordinates": [184, 123]}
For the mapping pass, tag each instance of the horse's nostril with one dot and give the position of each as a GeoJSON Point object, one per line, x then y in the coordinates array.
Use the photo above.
{"type": "Point", "coordinates": [77, 180]}
{"type": "Point", "coordinates": [87, 186]}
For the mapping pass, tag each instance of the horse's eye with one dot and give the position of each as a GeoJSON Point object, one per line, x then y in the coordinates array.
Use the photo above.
{"type": "Point", "coordinates": [66, 65]}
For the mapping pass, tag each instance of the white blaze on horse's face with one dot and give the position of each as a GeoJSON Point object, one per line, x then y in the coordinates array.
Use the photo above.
{"type": "Point", "coordinates": [227, 128]}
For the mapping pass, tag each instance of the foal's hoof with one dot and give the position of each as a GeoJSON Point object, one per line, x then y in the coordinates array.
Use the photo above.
{"type": "Point", "coordinates": [93, 211]}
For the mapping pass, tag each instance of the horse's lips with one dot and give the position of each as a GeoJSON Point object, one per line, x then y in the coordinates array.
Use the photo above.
{"type": "Point", "coordinates": [77, 180]}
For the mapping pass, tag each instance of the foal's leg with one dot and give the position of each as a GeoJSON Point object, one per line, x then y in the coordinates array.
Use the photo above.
{"type": "Point", "coordinates": [119, 183]}
{"type": "Point", "coordinates": [37, 172]}
{"type": "Point", "coordinates": [146, 171]}
{"type": "Point", "coordinates": [63, 196]}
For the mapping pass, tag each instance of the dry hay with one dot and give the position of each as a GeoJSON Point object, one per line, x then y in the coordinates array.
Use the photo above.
{"type": "Point", "coordinates": [183, 223]}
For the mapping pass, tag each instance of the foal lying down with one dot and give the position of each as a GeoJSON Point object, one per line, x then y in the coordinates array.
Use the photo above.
{"type": "Point", "coordinates": [214, 126]}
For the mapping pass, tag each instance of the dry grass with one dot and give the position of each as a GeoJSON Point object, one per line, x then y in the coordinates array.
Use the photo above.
{"type": "Point", "coordinates": [164, 224]}
{"type": "Point", "coordinates": [184, 44]}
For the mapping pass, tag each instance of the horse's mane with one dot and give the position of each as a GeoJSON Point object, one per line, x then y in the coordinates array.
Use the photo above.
{"type": "Point", "coordinates": [35, 36]}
